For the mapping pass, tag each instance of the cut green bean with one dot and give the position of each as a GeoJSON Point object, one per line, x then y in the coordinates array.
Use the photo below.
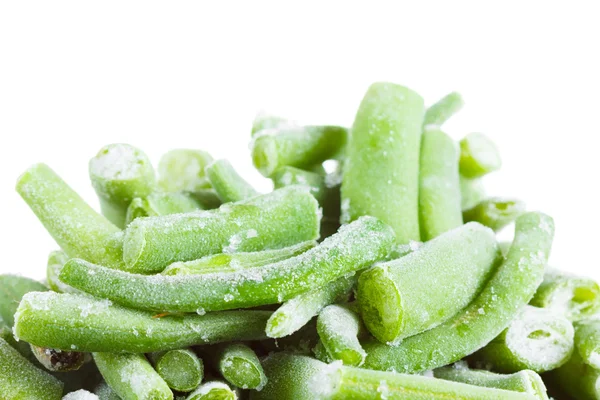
{"type": "Point", "coordinates": [440, 112]}
{"type": "Point", "coordinates": [181, 369]}
{"type": "Point", "coordinates": [159, 203]}
{"type": "Point", "coordinates": [81, 394]}
{"type": "Point", "coordinates": [120, 173]}
{"type": "Point", "coordinates": [298, 311]}
{"type": "Point", "coordinates": [12, 289]}
{"type": "Point", "coordinates": [439, 185]}
{"type": "Point", "coordinates": [321, 353]}
{"type": "Point", "coordinates": [239, 365]}
{"type": "Point", "coordinates": [472, 192]}
{"type": "Point", "coordinates": [478, 156]}
{"type": "Point", "coordinates": [56, 261]}
{"type": "Point", "coordinates": [353, 248]}
{"type": "Point", "coordinates": [293, 377]}
{"type": "Point", "coordinates": [80, 323]}
{"type": "Point", "coordinates": [296, 146]}
{"type": "Point", "coordinates": [207, 198]}
{"type": "Point", "coordinates": [575, 296]}
{"type": "Point", "coordinates": [524, 381]}
{"type": "Point", "coordinates": [75, 226]}
{"type": "Point", "coordinates": [576, 379]}
{"type": "Point", "coordinates": [587, 342]}
{"type": "Point", "coordinates": [509, 289]}
{"type": "Point", "coordinates": [228, 184]}
{"type": "Point", "coordinates": [495, 212]}
{"type": "Point", "coordinates": [213, 390]}
{"type": "Point", "coordinates": [381, 171]}
{"type": "Point", "coordinates": [58, 360]}
{"type": "Point", "coordinates": [421, 290]}
{"type": "Point", "coordinates": [537, 339]}
{"type": "Point", "coordinates": [338, 329]}
{"type": "Point", "coordinates": [266, 121]}
{"type": "Point", "coordinates": [183, 170]}
{"type": "Point", "coordinates": [232, 262]}
{"type": "Point", "coordinates": [278, 219]}
{"type": "Point", "coordinates": [21, 380]}
{"type": "Point", "coordinates": [132, 377]}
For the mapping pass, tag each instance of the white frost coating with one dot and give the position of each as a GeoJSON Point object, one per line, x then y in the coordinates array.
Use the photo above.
{"type": "Point", "coordinates": [210, 386]}
{"type": "Point", "coordinates": [118, 161]}
{"type": "Point", "coordinates": [228, 297]}
{"type": "Point", "coordinates": [236, 240]}
{"type": "Point", "coordinates": [332, 180]}
{"type": "Point", "coordinates": [461, 365]}
{"type": "Point", "coordinates": [200, 311]}
{"type": "Point", "coordinates": [252, 233]}
{"type": "Point", "coordinates": [383, 389]}
{"type": "Point", "coordinates": [414, 245]}
{"type": "Point", "coordinates": [93, 306]}
{"type": "Point", "coordinates": [324, 384]}
{"type": "Point", "coordinates": [38, 300]}
{"type": "Point", "coordinates": [138, 382]}
{"type": "Point", "coordinates": [80, 395]}
{"type": "Point", "coordinates": [286, 179]}
{"type": "Point", "coordinates": [428, 373]}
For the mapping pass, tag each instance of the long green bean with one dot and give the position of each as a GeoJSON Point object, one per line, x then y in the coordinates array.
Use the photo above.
{"type": "Point", "coordinates": [437, 114]}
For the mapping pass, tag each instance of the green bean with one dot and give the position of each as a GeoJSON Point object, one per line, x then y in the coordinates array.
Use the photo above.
{"type": "Point", "coordinates": [576, 379]}
{"type": "Point", "coordinates": [181, 369]}
{"type": "Point", "coordinates": [120, 173]}
{"type": "Point", "coordinates": [293, 377]}
{"type": "Point", "coordinates": [381, 171]}
{"type": "Point", "coordinates": [296, 146]}
{"type": "Point", "coordinates": [537, 339]}
{"type": "Point", "coordinates": [213, 390]}
{"type": "Point", "coordinates": [12, 289]}
{"type": "Point", "coordinates": [80, 323]}
{"type": "Point", "coordinates": [183, 170]}
{"type": "Point", "coordinates": [132, 377]}
{"type": "Point", "coordinates": [266, 121]}
{"type": "Point", "coordinates": [472, 192]}
{"type": "Point", "coordinates": [278, 219]}
{"type": "Point", "coordinates": [440, 112]}
{"type": "Point", "coordinates": [81, 394]}
{"type": "Point", "coordinates": [587, 341]}
{"type": "Point", "coordinates": [23, 348]}
{"type": "Point", "coordinates": [298, 311]}
{"type": "Point", "coordinates": [58, 360]}
{"type": "Point", "coordinates": [575, 296]}
{"type": "Point", "coordinates": [439, 185]}
{"type": "Point", "coordinates": [105, 392]}
{"type": "Point", "coordinates": [159, 203]}
{"type": "Point", "coordinates": [75, 226]}
{"type": "Point", "coordinates": [524, 381]}
{"type": "Point", "coordinates": [321, 353]}
{"type": "Point", "coordinates": [495, 212]}
{"type": "Point", "coordinates": [239, 365]}
{"type": "Point", "coordinates": [354, 247]}
{"type": "Point", "coordinates": [301, 342]}
{"type": "Point", "coordinates": [421, 290]}
{"type": "Point", "coordinates": [509, 289]}
{"type": "Point", "coordinates": [56, 261]}
{"type": "Point", "coordinates": [478, 156]}
{"type": "Point", "coordinates": [228, 184]}
{"type": "Point", "coordinates": [231, 262]}
{"type": "Point", "coordinates": [338, 328]}
{"type": "Point", "coordinates": [21, 380]}
{"type": "Point", "coordinates": [207, 198]}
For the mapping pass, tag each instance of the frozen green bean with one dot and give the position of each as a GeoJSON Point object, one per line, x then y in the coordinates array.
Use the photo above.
{"type": "Point", "coordinates": [439, 185]}
{"type": "Point", "coordinates": [12, 289]}
{"type": "Point", "coordinates": [56, 261]}
{"type": "Point", "coordinates": [338, 329]}
{"type": "Point", "coordinates": [183, 170]}
{"type": "Point", "coordinates": [75, 226]}
{"type": "Point", "coordinates": [21, 380]}
{"type": "Point", "coordinates": [213, 390]}
{"type": "Point", "coordinates": [587, 342]}
{"type": "Point", "coordinates": [537, 339]}
{"type": "Point", "coordinates": [105, 392]}
{"type": "Point", "coordinates": [421, 290]}
{"type": "Point", "coordinates": [353, 248]}
{"type": "Point", "coordinates": [576, 379]}
{"type": "Point", "coordinates": [181, 369]}
{"type": "Point", "coordinates": [58, 360]}
{"type": "Point", "coordinates": [161, 203]}
{"type": "Point", "coordinates": [267, 121]}
{"type": "Point", "coordinates": [478, 156]}
{"type": "Point", "coordinates": [120, 173]}
{"type": "Point", "coordinates": [509, 289]}
{"type": "Point", "coordinates": [278, 219]}
{"type": "Point", "coordinates": [321, 353]}
{"type": "Point", "coordinates": [381, 170]}
{"type": "Point", "coordinates": [437, 114]}
{"type": "Point", "coordinates": [495, 212]}
{"type": "Point", "coordinates": [132, 377]}
{"type": "Point", "coordinates": [80, 323]}
{"type": "Point", "coordinates": [239, 365]}
{"type": "Point", "coordinates": [472, 192]}
{"type": "Point", "coordinates": [228, 184]}
{"type": "Point", "coordinates": [207, 198]}
{"type": "Point", "coordinates": [6, 333]}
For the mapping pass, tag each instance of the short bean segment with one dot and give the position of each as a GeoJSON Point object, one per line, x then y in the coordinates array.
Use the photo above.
{"type": "Point", "coordinates": [472, 192]}
{"type": "Point", "coordinates": [228, 184]}
{"type": "Point", "coordinates": [161, 203]}
{"type": "Point", "coordinates": [509, 289]}
{"type": "Point", "coordinates": [412, 294]}
{"type": "Point", "coordinates": [76, 322]}
{"type": "Point", "coordinates": [278, 219]}
{"type": "Point", "coordinates": [181, 369]}
{"type": "Point", "coordinates": [537, 339]}
{"type": "Point", "coordinates": [440, 112]}
{"type": "Point", "coordinates": [56, 261]}
{"type": "Point", "coordinates": [120, 173]}
{"type": "Point", "coordinates": [338, 329]}
{"type": "Point", "coordinates": [495, 212]}
{"type": "Point", "coordinates": [576, 379]}
{"type": "Point", "coordinates": [183, 170]}
{"type": "Point", "coordinates": [132, 377]}
{"type": "Point", "coordinates": [239, 365]}
{"type": "Point", "coordinates": [75, 226]}
{"type": "Point", "coordinates": [12, 289]}
{"type": "Point", "coordinates": [213, 390]}
{"type": "Point", "coordinates": [587, 342]}
{"type": "Point", "coordinates": [478, 156]}
{"type": "Point", "coordinates": [298, 311]}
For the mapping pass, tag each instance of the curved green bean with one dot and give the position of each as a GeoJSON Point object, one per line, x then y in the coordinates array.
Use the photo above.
{"type": "Point", "coordinates": [228, 184]}
{"type": "Point", "coordinates": [338, 329]}
{"type": "Point", "coordinates": [239, 365]}
{"type": "Point", "coordinates": [495, 212]}
{"type": "Point", "coordinates": [587, 342]}
{"type": "Point", "coordinates": [478, 156]}
{"type": "Point", "coordinates": [181, 369]}
{"type": "Point", "coordinates": [213, 390]}
{"type": "Point", "coordinates": [472, 192]}
{"type": "Point", "coordinates": [12, 290]}
{"type": "Point", "coordinates": [161, 203]}
{"type": "Point", "coordinates": [183, 170]}
{"type": "Point", "coordinates": [437, 114]}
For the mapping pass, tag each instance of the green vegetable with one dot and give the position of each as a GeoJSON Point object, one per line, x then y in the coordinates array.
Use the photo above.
{"type": "Point", "coordinates": [183, 170]}
{"type": "Point", "coordinates": [228, 184]}
{"type": "Point", "coordinates": [207, 198]}
{"type": "Point", "coordinates": [266, 121]}
{"type": "Point", "coordinates": [56, 261]}
{"type": "Point", "coordinates": [181, 369]}
{"type": "Point", "coordinates": [587, 342]}
{"type": "Point", "coordinates": [213, 390]}
{"type": "Point", "coordinates": [472, 192]}
{"type": "Point", "coordinates": [239, 365]}
{"type": "Point", "coordinates": [338, 329]}
{"type": "Point", "coordinates": [12, 289]}
{"type": "Point", "coordinates": [104, 392]}
{"type": "Point", "coordinates": [576, 379]}
{"type": "Point", "coordinates": [159, 203]}
{"type": "Point", "coordinates": [478, 156]}
{"type": "Point", "coordinates": [495, 212]}
{"type": "Point", "coordinates": [440, 112]}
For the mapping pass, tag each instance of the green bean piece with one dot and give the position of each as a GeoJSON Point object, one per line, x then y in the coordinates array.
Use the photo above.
{"type": "Point", "coordinates": [81, 394]}
{"type": "Point", "coordinates": [56, 261]}
{"type": "Point", "coordinates": [231, 262]}
{"type": "Point", "coordinates": [576, 379]}
{"type": "Point", "coordinates": [105, 392]}
{"type": "Point", "coordinates": [21, 380]}
{"type": "Point", "coordinates": [439, 185]}
{"type": "Point", "coordinates": [321, 353]}
{"type": "Point", "coordinates": [120, 173]}
{"type": "Point", "coordinates": [575, 296]}
{"type": "Point", "coordinates": [23, 348]}
{"type": "Point", "coordinates": [208, 198]}
{"type": "Point", "coordinates": [421, 290]}
{"type": "Point", "coordinates": [472, 192]}
{"type": "Point", "coordinates": [267, 121]}
{"type": "Point", "coordinates": [537, 339]}
{"type": "Point", "coordinates": [587, 341]}
{"type": "Point", "coordinates": [509, 289]}
{"type": "Point", "coordinates": [353, 248]}
{"type": "Point", "coordinates": [338, 328]}
{"type": "Point", "coordinates": [301, 342]}
{"type": "Point", "coordinates": [12, 289]}
{"type": "Point", "coordinates": [228, 184]}
{"type": "Point", "coordinates": [75, 226]}
{"type": "Point", "coordinates": [213, 390]}
{"type": "Point", "coordinates": [478, 156]}
{"type": "Point", "coordinates": [239, 365]}
{"type": "Point", "coordinates": [58, 360]}
{"type": "Point", "coordinates": [524, 381]}
{"type": "Point", "coordinates": [181, 369]}
{"type": "Point", "coordinates": [282, 218]}
{"type": "Point", "coordinates": [293, 377]}
{"type": "Point", "coordinates": [161, 203]}
{"type": "Point", "coordinates": [132, 377]}
{"type": "Point", "coordinates": [381, 171]}
{"type": "Point", "coordinates": [495, 212]}
{"type": "Point", "coordinates": [298, 311]}
{"type": "Point", "coordinates": [183, 170]}
{"type": "Point", "coordinates": [440, 112]}
{"type": "Point", "coordinates": [79, 323]}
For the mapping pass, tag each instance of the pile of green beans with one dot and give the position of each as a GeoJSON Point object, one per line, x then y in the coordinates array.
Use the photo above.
{"type": "Point", "coordinates": [380, 278]}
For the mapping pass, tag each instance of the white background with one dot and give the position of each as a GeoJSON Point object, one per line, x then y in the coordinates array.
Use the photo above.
{"type": "Point", "coordinates": [75, 76]}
